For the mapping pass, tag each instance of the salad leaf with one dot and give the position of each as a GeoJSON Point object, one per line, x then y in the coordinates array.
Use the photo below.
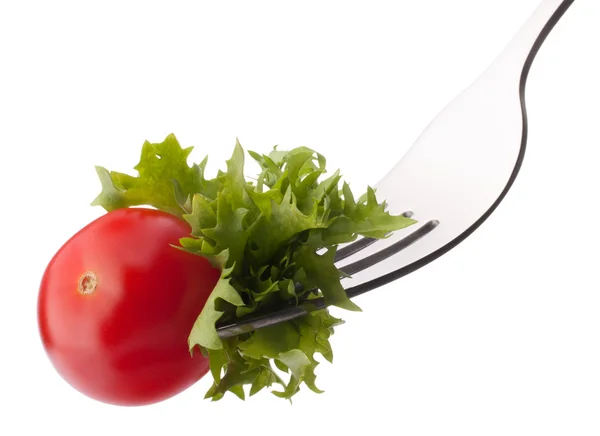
{"type": "Point", "coordinates": [161, 168]}
{"type": "Point", "coordinates": [274, 238]}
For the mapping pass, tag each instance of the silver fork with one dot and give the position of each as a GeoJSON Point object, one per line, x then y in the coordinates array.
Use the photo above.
{"type": "Point", "coordinates": [463, 164]}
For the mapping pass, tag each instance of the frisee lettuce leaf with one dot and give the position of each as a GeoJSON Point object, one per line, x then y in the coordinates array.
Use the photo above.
{"type": "Point", "coordinates": [274, 239]}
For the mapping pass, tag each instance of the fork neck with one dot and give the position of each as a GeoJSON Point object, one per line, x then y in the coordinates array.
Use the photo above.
{"type": "Point", "coordinates": [522, 49]}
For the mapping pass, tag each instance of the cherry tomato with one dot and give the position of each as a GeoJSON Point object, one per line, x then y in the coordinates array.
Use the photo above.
{"type": "Point", "coordinates": [117, 303]}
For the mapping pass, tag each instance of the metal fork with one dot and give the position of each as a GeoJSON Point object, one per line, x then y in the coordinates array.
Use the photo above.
{"type": "Point", "coordinates": [451, 180]}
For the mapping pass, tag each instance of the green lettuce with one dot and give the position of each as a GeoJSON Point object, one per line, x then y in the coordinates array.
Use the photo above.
{"type": "Point", "coordinates": [274, 239]}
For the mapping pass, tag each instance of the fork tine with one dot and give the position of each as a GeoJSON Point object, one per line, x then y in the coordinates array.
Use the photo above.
{"type": "Point", "coordinates": [361, 244]}
{"type": "Point", "coordinates": [253, 323]}
{"type": "Point", "coordinates": [391, 250]}
{"type": "Point", "coordinates": [353, 248]}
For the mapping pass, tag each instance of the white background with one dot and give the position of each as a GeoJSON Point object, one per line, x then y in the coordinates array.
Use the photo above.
{"type": "Point", "coordinates": [500, 336]}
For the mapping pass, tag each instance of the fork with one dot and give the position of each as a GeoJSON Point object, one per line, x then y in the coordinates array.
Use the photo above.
{"type": "Point", "coordinates": [451, 180]}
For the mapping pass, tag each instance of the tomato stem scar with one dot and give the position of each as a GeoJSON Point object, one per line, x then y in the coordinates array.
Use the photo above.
{"type": "Point", "coordinates": [87, 283]}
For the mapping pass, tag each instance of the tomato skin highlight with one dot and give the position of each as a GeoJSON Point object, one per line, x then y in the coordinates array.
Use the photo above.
{"type": "Point", "coordinates": [124, 340]}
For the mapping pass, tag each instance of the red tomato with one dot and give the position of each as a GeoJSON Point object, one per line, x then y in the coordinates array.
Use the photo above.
{"type": "Point", "coordinates": [117, 303]}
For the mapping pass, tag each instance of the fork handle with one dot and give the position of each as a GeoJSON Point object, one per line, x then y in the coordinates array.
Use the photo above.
{"type": "Point", "coordinates": [528, 40]}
